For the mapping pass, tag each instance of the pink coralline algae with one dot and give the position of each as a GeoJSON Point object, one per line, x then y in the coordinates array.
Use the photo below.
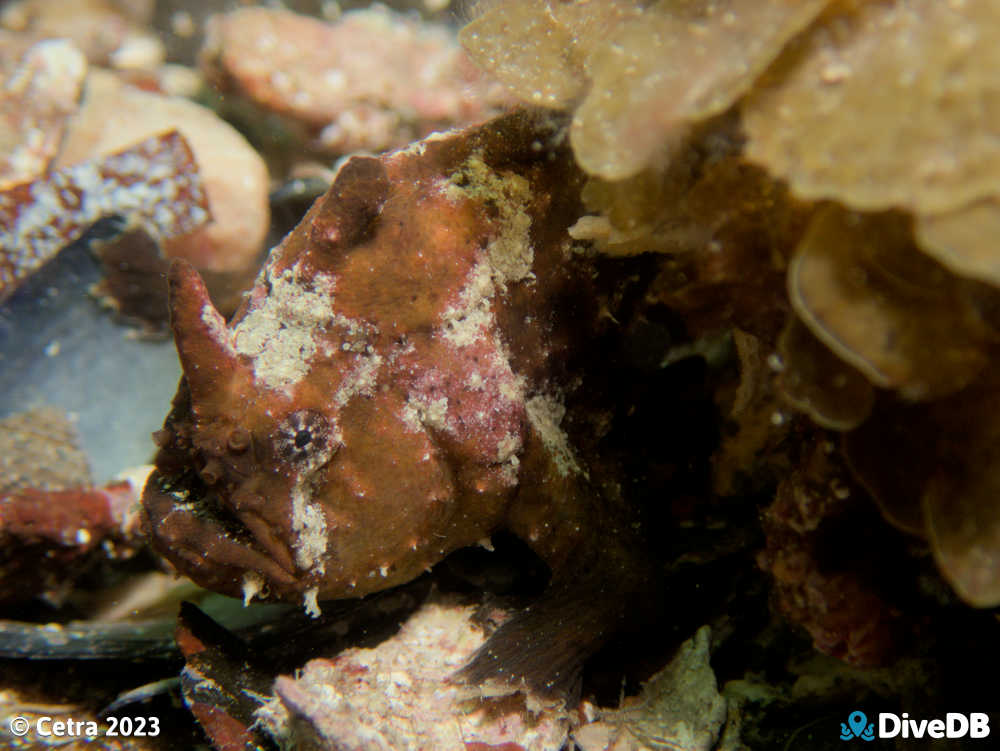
{"type": "Point", "coordinates": [393, 387]}
{"type": "Point", "coordinates": [154, 184]}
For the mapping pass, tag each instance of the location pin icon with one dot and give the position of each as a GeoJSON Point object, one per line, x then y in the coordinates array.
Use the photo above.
{"type": "Point", "coordinates": [857, 721]}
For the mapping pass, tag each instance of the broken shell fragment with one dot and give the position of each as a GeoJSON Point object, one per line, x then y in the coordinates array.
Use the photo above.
{"type": "Point", "coordinates": [860, 285]}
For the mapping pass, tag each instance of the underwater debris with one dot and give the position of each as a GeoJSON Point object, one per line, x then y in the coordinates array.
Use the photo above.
{"type": "Point", "coordinates": [155, 183]}
{"type": "Point", "coordinates": [221, 682]}
{"type": "Point", "coordinates": [371, 81]}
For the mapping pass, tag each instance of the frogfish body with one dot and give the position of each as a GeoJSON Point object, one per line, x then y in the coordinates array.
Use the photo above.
{"type": "Point", "coordinates": [392, 388]}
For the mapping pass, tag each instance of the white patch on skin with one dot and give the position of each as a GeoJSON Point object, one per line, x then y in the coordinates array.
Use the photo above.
{"type": "Point", "coordinates": [282, 332]}
{"type": "Point", "coordinates": [510, 252]}
{"type": "Point", "coordinates": [361, 380]}
{"type": "Point", "coordinates": [308, 528]}
{"type": "Point", "coordinates": [472, 318]}
{"type": "Point", "coordinates": [509, 256]}
{"type": "Point", "coordinates": [253, 585]}
{"type": "Point", "coordinates": [509, 445]}
{"type": "Point", "coordinates": [512, 386]}
{"type": "Point", "coordinates": [417, 148]}
{"type": "Point", "coordinates": [421, 412]}
{"type": "Point", "coordinates": [310, 601]}
{"type": "Point", "coordinates": [217, 328]}
{"type": "Point", "coordinates": [469, 321]}
{"type": "Point", "coordinates": [545, 413]}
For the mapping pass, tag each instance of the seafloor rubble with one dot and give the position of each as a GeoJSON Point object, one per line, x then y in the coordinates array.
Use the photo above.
{"type": "Point", "coordinates": [651, 407]}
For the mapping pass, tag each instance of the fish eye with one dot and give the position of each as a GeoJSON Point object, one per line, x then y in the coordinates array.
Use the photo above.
{"type": "Point", "coordinates": [303, 436]}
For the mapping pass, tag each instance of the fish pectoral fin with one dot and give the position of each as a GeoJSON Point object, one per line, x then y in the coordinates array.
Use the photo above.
{"type": "Point", "coordinates": [544, 647]}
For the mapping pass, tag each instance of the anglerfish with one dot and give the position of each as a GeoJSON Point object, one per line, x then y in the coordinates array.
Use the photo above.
{"type": "Point", "coordinates": [392, 389]}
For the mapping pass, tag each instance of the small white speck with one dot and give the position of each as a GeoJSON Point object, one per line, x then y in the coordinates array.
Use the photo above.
{"type": "Point", "coordinates": [835, 72]}
{"type": "Point", "coordinates": [310, 602]}
{"type": "Point", "coordinates": [253, 585]}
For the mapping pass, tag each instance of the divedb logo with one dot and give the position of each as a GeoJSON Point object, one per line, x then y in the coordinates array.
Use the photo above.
{"type": "Point", "coordinates": [973, 725]}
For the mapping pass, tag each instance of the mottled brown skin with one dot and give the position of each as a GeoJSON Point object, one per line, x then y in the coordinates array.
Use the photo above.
{"type": "Point", "coordinates": [393, 484]}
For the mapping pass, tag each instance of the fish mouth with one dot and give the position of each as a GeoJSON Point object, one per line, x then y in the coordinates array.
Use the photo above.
{"type": "Point", "coordinates": [188, 524]}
